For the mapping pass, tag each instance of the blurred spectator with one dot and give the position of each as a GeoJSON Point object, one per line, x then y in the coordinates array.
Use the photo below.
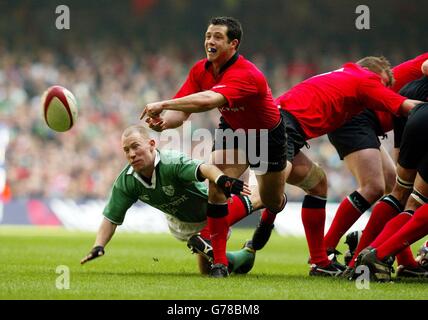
{"type": "Point", "coordinates": [113, 74]}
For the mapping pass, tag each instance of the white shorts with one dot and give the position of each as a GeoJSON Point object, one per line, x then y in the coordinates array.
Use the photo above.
{"type": "Point", "coordinates": [184, 230]}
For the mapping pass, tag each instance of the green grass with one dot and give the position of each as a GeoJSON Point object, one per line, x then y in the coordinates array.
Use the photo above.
{"type": "Point", "coordinates": [156, 266]}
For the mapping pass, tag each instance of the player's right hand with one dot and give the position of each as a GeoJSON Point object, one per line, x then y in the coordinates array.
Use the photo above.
{"type": "Point", "coordinates": [96, 252]}
{"type": "Point", "coordinates": [231, 186]}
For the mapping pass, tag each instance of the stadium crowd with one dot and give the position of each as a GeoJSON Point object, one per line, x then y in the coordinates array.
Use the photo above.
{"type": "Point", "coordinates": [130, 55]}
{"type": "Point", "coordinates": [111, 85]}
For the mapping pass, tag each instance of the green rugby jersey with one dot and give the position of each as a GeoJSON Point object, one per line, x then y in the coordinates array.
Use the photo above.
{"type": "Point", "coordinates": [174, 189]}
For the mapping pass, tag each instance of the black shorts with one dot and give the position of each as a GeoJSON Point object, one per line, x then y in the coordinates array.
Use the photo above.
{"type": "Point", "coordinates": [414, 144]}
{"type": "Point", "coordinates": [264, 151]}
{"type": "Point", "coordinates": [359, 133]}
{"type": "Point", "coordinates": [416, 90]}
{"type": "Point", "coordinates": [296, 138]}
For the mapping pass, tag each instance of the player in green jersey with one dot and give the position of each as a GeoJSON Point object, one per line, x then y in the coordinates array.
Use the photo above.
{"type": "Point", "coordinates": [173, 183]}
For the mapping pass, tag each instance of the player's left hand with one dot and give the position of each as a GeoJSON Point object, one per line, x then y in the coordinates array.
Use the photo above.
{"type": "Point", "coordinates": [95, 253]}
{"type": "Point", "coordinates": [152, 110]}
{"type": "Point", "coordinates": [231, 186]}
{"type": "Point", "coordinates": [156, 124]}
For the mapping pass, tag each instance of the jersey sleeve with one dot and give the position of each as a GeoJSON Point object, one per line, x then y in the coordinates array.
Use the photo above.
{"type": "Point", "coordinates": [186, 169]}
{"type": "Point", "coordinates": [235, 87]}
{"type": "Point", "coordinates": [408, 71]}
{"type": "Point", "coordinates": [376, 96]}
{"type": "Point", "coordinates": [118, 203]}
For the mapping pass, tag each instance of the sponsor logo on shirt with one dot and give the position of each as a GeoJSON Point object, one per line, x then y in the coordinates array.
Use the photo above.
{"type": "Point", "coordinates": [219, 86]}
{"type": "Point", "coordinates": [172, 207]}
{"type": "Point", "coordinates": [168, 190]}
{"type": "Point", "coordinates": [233, 109]}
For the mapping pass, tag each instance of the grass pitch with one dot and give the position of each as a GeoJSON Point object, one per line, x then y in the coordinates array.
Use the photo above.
{"type": "Point", "coordinates": [156, 266]}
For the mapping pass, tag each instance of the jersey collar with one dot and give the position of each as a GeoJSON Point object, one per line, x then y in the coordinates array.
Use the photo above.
{"type": "Point", "coordinates": [137, 176]}
{"type": "Point", "coordinates": [226, 65]}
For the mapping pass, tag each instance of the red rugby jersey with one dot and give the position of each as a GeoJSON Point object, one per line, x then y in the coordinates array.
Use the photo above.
{"type": "Point", "coordinates": [403, 73]}
{"type": "Point", "coordinates": [325, 102]}
{"type": "Point", "coordinates": [249, 99]}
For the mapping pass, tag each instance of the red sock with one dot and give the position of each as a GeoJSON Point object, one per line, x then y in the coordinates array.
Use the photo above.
{"type": "Point", "coordinates": [267, 217]}
{"type": "Point", "coordinates": [391, 228]}
{"type": "Point", "coordinates": [238, 210]}
{"type": "Point", "coordinates": [345, 217]}
{"type": "Point", "coordinates": [313, 217]}
{"type": "Point", "coordinates": [218, 235]}
{"type": "Point", "coordinates": [219, 227]}
{"type": "Point", "coordinates": [405, 258]}
{"type": "Point", "coordinates": [413, 230]}
{"type": "Point", "coordinates": [382, 212]}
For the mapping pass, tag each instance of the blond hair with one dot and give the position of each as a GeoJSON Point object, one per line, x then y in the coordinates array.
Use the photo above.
{"type": "Point", "coordinates": [137, 128]}
{"type": "Point", "coordinates": [378, 65]}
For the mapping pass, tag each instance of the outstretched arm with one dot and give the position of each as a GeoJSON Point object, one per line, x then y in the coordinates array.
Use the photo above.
{"type": "Point", "coordinates": [169, 120]}
{"type": "Point", "coordinates": [105, 233]}
{"type": "Point", "coordinates": [196, 102]}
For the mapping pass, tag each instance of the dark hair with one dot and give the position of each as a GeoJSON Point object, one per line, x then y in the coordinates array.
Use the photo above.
{"type": "Point", "coordinates": [234, 28]}
{"type": "Point", "coordinates": [377, 65]}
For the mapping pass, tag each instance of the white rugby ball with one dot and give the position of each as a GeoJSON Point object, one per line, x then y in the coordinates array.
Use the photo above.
{"type": "Point", "coordinates": [59, 108]}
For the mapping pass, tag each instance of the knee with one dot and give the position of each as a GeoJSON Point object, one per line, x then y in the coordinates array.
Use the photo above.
{"type": "Point", "coordinates": [315, 182]}
{"type": "Point", "coordinates": [274, 204]}
{"type": "Point", "coordinates": [373, 190]}
{"type": "Point", "coordinates": [321, 188]}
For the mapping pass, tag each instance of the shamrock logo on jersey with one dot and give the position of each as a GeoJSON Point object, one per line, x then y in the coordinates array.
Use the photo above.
{"type": "Point", "coordinates": [145, 198]}
{"type": "Point", "coordinates": [168, 190]}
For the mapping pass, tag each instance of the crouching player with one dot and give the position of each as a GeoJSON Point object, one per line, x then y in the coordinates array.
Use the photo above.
{"type": "Point", "coordinates": [173, 183]}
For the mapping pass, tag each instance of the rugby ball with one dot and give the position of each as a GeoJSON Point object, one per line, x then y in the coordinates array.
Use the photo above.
{"type": "Point", "coordinates": [59, 108]}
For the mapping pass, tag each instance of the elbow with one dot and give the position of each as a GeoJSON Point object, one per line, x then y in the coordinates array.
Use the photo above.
{"type": "Point", "coordinates": [210, 100]}
{"type": "Point", "coordinates": [425, 68]}
{"type": "Point", "coordinates": [206, 104]}
{"type": "Point", "coordinates": [407, 106]}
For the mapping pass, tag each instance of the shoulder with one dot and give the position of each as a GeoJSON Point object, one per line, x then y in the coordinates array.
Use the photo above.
{"type": "Point", "coordinates": [125, 181]}
{"type": "Point", "coordinates": [352, 67]}
{"type": "Point", "coordinates": [245, 69]}
{"type": "Point", "coordinates": [362, 73]}
{"type": "Point", "coordinates": [172, 159]}
{"type": "Point", "coordinates": [199, 66]}
{"type": "Point", "coordinates": [242, 62]}
{"type": "Point", "coordinates": [166, 155]}
{"type": "Point", "coordinates": [124, 175]}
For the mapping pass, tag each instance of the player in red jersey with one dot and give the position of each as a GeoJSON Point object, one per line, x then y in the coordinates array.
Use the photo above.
{"type": "Point", "coordinates": [357, 143]}
{"type": "Point", "coordinates": [227, 81]}
{"type": "Point", "coordinates": [412, 176]}
{"type": "Point", "coordinates": [388, 215]}
{"type": "Point", "coordinates": [318, 106]}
